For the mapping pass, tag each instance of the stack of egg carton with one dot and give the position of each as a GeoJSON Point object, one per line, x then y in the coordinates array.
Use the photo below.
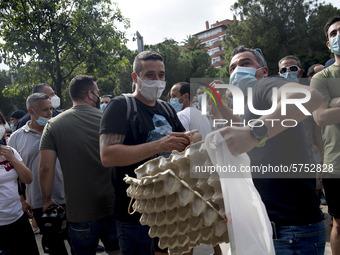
{"type": "Point", "coordinates": [184, 212]}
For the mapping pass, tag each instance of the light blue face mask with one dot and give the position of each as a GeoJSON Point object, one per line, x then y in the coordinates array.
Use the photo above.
{"type": "Point", "coordinates": [243, 78]}
{"type": "Point", "coordinates": [291, 76]}
{"type": "Point", "coordinates": [176, 104]}
{"type": "Point", "coordinates": [103, 106]}
{"type": "Point", "coordinates": [41, 120]}
{"type": "Point", "coordinates": [12, 126]}
{"type": "Point", "coordinates": [335, 45]}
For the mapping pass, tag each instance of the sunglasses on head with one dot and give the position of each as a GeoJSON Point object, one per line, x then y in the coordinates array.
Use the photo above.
{"type": "Point", "coordinates": [290, 68]}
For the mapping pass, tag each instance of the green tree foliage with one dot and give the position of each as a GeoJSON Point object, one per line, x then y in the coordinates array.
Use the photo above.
{"type": "Point", "coordinates": [280, 28]}
{"type": "Point", "coordinates": [15, 102]}
{"type": "Point", "coordinates": [175, 69]}
{"type": "Point", "coordinates": [317, 38]}
{"type": "Point", "coordinates": [191, 44]}
{"type": "Point", "coordinates": [53, 40]}
{"type": "Point", "coordinates": [181, 64]}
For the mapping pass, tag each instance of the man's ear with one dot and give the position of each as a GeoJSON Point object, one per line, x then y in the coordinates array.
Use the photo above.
{"type": "Point", "coordinates": [328, 45]}
{"type": "Point", "coordinates": [265, 71]}
{"type": "Point", "coordinates": [89, 94]}
{"type": "Point", "coordinates": [134, 77]}
{"type": "Point", "coordinates": [300, 73]}
{"type": "Point", "coordinates": [30, 111]}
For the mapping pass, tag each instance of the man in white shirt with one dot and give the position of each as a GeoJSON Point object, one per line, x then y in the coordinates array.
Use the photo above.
{"type": "Point", "coordinates": [190, 117]}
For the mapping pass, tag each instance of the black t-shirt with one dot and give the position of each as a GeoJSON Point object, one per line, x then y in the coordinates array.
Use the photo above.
{"type": "Point", "coordinates": [288, 201]}
{"type": "Point", "coordinates": [152, 123]}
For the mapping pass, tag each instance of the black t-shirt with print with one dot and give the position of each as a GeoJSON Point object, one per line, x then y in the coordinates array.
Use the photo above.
{"type": "Point", "coordinates": [288, 201]}
{"type": "Point", "coordinates": [152, 123]}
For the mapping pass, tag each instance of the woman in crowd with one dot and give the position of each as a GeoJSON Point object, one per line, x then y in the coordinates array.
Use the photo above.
{"type": "Point", "coordinates": [16, 234]}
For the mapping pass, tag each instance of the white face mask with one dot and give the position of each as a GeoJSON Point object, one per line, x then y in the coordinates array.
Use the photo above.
{"type": "Point", "coordinates": [152, 89]}
{"type": "Point", "coordinates": [2, 131]}
{"type": "Point", "coordinates": [55, 100]}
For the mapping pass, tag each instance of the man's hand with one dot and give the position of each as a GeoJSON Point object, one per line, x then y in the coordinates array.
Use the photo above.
{"type": "Point", "coordinates": [239, 139]}
{"type": "Point", "coordinates": [48, 204]}
{"type": "Point", "coordinates": [174, 141]}
{"type": "Point", "coordinates": [335, 102]}
{"type": "Point", "coordinates": [194, 135]}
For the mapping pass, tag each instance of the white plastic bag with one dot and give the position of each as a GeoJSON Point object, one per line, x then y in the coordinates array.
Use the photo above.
{"type": "Point", "coordinates": [249, 228]}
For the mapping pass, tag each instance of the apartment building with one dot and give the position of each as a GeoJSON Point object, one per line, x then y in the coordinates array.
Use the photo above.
{"type": "Point", "coordinates": [212, 38]}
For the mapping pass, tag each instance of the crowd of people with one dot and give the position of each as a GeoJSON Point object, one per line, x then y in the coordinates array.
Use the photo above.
{"type": "Point", "coordinates": [75, 160]}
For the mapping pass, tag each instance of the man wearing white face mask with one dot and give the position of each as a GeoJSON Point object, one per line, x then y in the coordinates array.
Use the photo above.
{"type": "Point", "coordinates": [327, 116]}
{"type": "Point", "coordinates": [157, 134]}
{"type": "Point", "coordinates": [55, 100]}
{"type": "Point", "coordinates": [290, 68]}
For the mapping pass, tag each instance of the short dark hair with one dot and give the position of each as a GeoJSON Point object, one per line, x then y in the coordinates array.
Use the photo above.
{"type": "Point", "coordinates": [144, 56]}
{"type": "Point", "coordinates": [184, 87]}
{"type": "Point", "coordinates": [80, 85]}
{"type": "Point", "coordinates": [311, 70]}
{"type": "Point", "coordinates": [39, 88]}
{"type": "Point", "coordinates": [259, 57]}
{"type": "Point", "coordinates": [329, 23]}
{"type": "Point", "coordinates": [291, 57]}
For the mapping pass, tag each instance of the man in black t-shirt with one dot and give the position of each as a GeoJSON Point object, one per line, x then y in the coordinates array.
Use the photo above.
{"type": "Point", "coordinates": [290, 201]}
{"type": "Point", "coordinates": [157, 134]}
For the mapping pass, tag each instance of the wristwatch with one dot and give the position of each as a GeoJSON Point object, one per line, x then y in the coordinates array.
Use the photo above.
{"type": "Point", "coordinates": [260, 131]}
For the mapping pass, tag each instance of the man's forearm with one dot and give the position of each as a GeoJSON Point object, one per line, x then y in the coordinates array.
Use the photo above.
{"type": "Point", "coordinates": [116, 154]}
{"type": "Point", "coordinates": [46, 174]}
{"type": "Point", "coordinates": [327, 116]}
{"type": "Point", "coordinates": [292, 112]}
{"type": "Point", "coordinates": [124, 155]}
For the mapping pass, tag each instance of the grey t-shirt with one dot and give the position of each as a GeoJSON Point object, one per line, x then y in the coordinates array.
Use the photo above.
{"type": "Point", "coordinates": [26, 141]}
{"type": "Point", "coordinates": [74, 135]}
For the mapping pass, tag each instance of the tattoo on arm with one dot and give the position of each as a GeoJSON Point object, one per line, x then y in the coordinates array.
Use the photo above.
{"type": "Point", "coordinates": [110, 139]}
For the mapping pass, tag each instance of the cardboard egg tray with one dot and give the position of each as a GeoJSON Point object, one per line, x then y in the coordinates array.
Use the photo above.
{"type": "Point", "coordinates": [184, 212]}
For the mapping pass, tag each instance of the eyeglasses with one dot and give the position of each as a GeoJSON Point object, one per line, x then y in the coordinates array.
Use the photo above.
{"type": "Point", "coordinates": [290, 68]}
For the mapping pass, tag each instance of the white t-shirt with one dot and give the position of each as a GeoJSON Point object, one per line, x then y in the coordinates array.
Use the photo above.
{"type": "Point", "coordinates": [10, 205]}
{"type": "Point", "coordinates": [192, 118]}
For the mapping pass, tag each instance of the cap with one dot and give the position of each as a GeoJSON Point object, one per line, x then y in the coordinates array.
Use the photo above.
{"type": "Point", "coordinates": [18, 114]}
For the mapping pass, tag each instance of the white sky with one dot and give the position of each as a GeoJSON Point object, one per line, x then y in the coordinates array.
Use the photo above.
{"type": "Point", "coordinates": [156, 20]}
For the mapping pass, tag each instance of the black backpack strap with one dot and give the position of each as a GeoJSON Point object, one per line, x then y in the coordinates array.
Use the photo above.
{"type": "Point", "coordinates": [166, 107]}
{"type": "Point", "coordinates": [170, 112]}
{"type": "Point", "coordinates": [131, 113]}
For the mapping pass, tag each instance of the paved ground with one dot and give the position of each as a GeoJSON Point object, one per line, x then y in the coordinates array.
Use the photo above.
{"type": "Point", "coordinates": [207, 250]}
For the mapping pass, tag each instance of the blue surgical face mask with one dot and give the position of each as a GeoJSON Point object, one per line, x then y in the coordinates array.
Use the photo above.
{"type": "Point", "coordinates": [199, 98]}
{"type": "Point", "coordinates": [243, 77]}
{"type": "Point", "coordinates": [291, 76]}
{"type": "Point", "coordinates": [103, 106]}
{"type": "Point", "coordinates": [41, 120]}
{"type": "Point", "coordinates": [335, 45]}
{"type": "Point", "coordinates": [12, 126]}
{"type": "Point", "coordinates": [176, 104]}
